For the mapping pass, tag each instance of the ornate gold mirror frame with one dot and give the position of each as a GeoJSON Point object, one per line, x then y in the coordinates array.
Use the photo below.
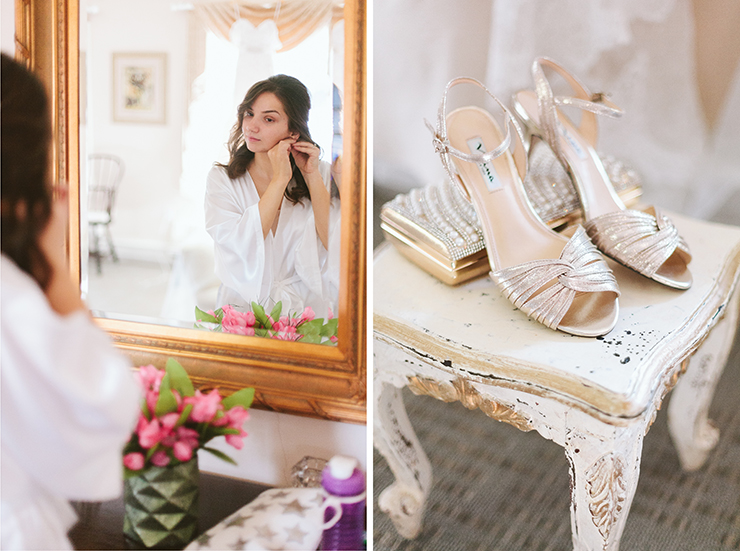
{"type": "Point", "coordinates": [312, 380]}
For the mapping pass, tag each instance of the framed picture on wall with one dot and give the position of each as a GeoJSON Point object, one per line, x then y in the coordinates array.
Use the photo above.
{"type": "Point", "coordinates": [139, 87]}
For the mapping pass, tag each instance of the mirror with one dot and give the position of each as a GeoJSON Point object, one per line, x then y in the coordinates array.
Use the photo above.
{"type": "Point", "coordinates": [319, 381]}
{"type": "Point", "coordinates": [176, 78]}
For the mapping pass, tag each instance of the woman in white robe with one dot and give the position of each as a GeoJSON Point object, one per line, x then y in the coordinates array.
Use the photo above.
{"type": "Point", "coordinates": [69, 401]}
{"type": "Point", "coordinates": [270, 210]}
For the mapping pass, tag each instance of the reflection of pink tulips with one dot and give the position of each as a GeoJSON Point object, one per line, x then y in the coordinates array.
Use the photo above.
{"type": "Point", "coordinates": [239, 323]}
{"type": "Point", "coordinates": [177, 420]}
{"type": "Point", "coordinates": [302, 327]}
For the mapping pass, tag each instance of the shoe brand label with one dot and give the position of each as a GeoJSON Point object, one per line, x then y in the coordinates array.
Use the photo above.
{"type": "Point", "coordinates": [575, 146]}
{"type": "Point", "coordinates": [486, 169]}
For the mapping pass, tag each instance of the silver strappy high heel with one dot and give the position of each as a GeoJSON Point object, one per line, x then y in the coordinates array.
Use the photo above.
{"type": "Point", "coordinates": [643, 240]}
{"type": "Point", "coordinates": [563, 283]}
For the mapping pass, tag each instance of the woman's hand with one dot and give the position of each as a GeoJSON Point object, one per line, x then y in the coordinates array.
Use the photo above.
{"type": "Point", "coordinates": [306, 157]}
{"type": "Point", "coordinates": [280, 159]}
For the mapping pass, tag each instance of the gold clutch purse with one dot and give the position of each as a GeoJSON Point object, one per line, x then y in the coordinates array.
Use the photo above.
{"type": "Point", "coordinates": [437, 228]}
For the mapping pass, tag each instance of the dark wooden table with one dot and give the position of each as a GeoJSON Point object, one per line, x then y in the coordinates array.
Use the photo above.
{"type": "Point", "coordinates": [101, 524]}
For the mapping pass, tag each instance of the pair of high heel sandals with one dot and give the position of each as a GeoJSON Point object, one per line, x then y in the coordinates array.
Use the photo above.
{"type": "Point", "coordinates": [560, 280]}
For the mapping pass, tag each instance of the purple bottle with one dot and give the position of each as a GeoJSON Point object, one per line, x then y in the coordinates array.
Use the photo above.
{"type": "Point", "coordinates": [343, 479]}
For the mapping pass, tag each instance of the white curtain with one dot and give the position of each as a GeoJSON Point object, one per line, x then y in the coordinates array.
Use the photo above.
{"type": "Point", "coordinates": [640, 51]}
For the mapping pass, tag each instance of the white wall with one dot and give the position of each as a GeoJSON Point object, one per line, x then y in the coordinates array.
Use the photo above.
{"type": "Point", "coordinates": [152, 153]}
{"type": "Point", "coordinates": [7, 26]}
{"type": "Point", "coordinates": [277, 441]}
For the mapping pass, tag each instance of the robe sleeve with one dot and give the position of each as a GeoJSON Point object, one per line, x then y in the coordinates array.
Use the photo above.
{"type": "Point", "coordinates": [69, 400]}
{"type": "Point", "coordinates": [236, 229]}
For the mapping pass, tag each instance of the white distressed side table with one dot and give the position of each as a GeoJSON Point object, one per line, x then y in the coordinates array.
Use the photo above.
{"type": "Point", "coordinates": [595, 397]}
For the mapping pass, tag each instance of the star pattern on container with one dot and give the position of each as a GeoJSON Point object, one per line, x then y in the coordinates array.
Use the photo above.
{"type": "Point", "coordinates": [261, 507]}
{"type": "Point", "coordinates": [239, 544]}
{"type": "Point", "coordinates": [295, 507]}
{"type": "Point", "coordinates": [204, 540]}
{"type": "Point", "coordinates": [238, 520]}
{"type": "Point", "coordinates": [296, 534]}
{"type": "Point", "coordinates": [280, 495]}
{"type": "Point", "coordinates": [265, 532]}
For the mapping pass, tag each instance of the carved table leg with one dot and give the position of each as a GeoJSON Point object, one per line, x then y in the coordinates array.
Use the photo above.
{"type": "Point", "coordinates": [693, 433]}
{"type": "Point", "coordinates": [395, 439]}
{"type": "Point", "coordinates": [604, 472]}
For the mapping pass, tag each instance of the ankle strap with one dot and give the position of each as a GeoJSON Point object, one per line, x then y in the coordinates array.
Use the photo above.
{"type": "Point", "coordinates": [592, 104]}
{"type": "Point", "coordinates": [442, 144]}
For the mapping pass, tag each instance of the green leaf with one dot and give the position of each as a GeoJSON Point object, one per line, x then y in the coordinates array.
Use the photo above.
{"type": "Point", "coordinates": [184, 415]}
{"type": "Point", "coordinates": [312, 327]}
{"type": "Point", "coordinates": [243, 397]}
{"type": "Point", "coordinates": [330, 328]}
{"type": "Point", "coordinates": [145, 410]}
{"type": "Point", "coordinates": [261, 332]}
{"type": "Point", "coordinates": [219, 454]}
{"type": "Point", "coordinates": [166, 402]}
{"type": "Point", "coordinates": [276, 311]}
{"type": "Point", "coordinates": [260, 316]}
{"type": "Point", "coordinates": [311, 339]}
{"type": "Point", "coordinates": [200, 315]}
{"type": "Point", "coordinates": [179, 379]}
{"type": "Point", "coordinates": [213, 432]}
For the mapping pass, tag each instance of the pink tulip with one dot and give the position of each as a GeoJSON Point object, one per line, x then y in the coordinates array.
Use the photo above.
{"type": "Point", "coordinates": [133, 461]}
{"type": "Point", "coordinates": [150, 432]}
{"type": "Point", "coordinates": [235, 440]}
{"type": "Point", "coordinates": [233, 418]}
{"type": "Point", "coordinates": [182, 451]}
{"type": "Point", "coordinates": [168, 421]}
{"type": "Point", "coordinates": [204, 405]}
{"type": "Point", "coordinates": [160, 458]}
{"type": "Point", "coordinates": [149, 377]}
{"type": "Point", "coordinates": [236, 322]}
{"type": "Point", "coordinates": [329, 314]}
{"type": "Point", "coordinates": [238, 330]}
{"type": "Point", "coordinates": [151, 398]}
{"type": "Point", "coordinates": [237, 416]}
{"type": "Point", "coordinates": [308, 314]}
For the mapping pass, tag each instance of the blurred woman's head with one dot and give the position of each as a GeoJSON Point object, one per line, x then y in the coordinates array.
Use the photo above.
{"type": "Point", "coordinates": [25, 186]}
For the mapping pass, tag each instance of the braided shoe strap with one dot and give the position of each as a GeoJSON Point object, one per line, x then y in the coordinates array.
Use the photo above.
{"type": "Point", "coordinates": [639, 240]}
{"type": "Point", "coordinates": [580, 269]}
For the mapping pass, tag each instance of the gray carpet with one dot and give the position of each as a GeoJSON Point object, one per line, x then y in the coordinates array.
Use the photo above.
{"type": "Point", "coordinates": [498, 489]}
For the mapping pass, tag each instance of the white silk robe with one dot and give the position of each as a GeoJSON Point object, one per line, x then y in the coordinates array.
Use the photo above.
{"type": "Point", "coordinates": [69, 404]}
{"type": "Point", "coordinates": [291, 265]}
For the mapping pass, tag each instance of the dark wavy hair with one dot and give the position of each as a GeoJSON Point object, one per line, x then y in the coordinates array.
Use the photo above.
{"type": "Point", "coordinates": [297, 102]}
{"type": "Point", "coordinates": [25, 132]}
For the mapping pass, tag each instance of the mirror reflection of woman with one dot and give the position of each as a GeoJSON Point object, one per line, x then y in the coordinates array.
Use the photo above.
{"type": "Point", "coordinates": [270, 209]}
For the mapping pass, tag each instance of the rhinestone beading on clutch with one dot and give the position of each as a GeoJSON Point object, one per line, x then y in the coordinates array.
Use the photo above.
{"type": "Point", "coordinates": [444, 213]}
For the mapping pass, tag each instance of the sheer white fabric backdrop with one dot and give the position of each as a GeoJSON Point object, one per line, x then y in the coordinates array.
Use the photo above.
{"type": "Point", "coordinates": [640, 51]}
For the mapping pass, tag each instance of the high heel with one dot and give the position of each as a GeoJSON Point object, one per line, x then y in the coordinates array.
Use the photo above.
{"type": "Point", "coordinates": [645, 241]}
{"type": "Point", "coordinates": [564, 284]}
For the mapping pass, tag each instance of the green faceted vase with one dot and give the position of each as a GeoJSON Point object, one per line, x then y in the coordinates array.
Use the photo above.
{"type": "Point", "coordinates": [161, 506]}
